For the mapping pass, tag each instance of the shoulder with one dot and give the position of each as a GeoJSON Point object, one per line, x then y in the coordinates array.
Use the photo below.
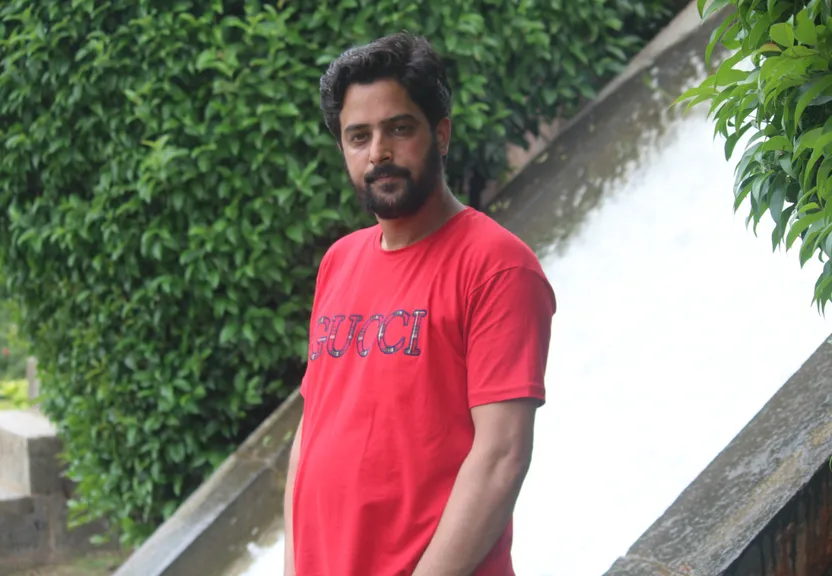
{"type": "Point", "coordinates": [347, 246]}
{"type": "Point", "coordinates": [497, 264]}
{"type": "Point", "coordinates": [341, 252]}
{"type": "Point", "coordinates": [490, 248]}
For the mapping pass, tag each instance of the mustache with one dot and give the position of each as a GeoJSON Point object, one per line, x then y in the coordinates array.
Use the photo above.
{"type": "Point", "coordinates": [386, 171]}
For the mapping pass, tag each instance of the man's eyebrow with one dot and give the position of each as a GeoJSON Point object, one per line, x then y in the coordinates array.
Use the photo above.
{"type": "Point", "coordinates": [391, 120]}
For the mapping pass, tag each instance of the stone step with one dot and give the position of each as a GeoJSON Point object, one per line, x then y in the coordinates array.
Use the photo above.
{"type": "Point", "coordinates": [14, 503]}
{"type": "Point", "coordinates": [29, 449]}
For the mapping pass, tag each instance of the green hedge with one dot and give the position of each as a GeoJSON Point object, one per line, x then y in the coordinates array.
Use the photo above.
{"type": "Point", "coordinates": [14, 394]}
{"type": "Point", "coordinates": [13, 349]}
{"type": "Point", "coordinates": [780, 97]}
{"type": "Point", "coordinates": [168, 189]}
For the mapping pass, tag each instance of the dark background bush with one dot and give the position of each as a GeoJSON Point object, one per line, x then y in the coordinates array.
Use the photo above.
{"type": "Point", "coordinates": [13, 348]}
{"type": "Point", "coordinates": [167, 189]}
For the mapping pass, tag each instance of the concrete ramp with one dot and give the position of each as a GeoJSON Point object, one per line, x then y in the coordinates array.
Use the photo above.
{"type": "Point", "coordinates": [763, 507]}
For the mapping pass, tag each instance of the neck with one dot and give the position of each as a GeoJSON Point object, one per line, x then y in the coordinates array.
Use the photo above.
{"type": "Point", "coordinates": [440, 207]}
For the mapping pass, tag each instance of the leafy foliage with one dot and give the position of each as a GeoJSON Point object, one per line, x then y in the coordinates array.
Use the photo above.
{"type": "Point", "coordinates": [13, 349]}
{"type": "Point", "coordinates": [777, 86]}
{"type": "Point", "coordinates": [14, 394]}
{"type": "Point", "coordinates": [168, 189]}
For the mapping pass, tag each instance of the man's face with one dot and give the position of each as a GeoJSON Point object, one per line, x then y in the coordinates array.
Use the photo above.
{"type": "Point", "coordinates": [393, 158]}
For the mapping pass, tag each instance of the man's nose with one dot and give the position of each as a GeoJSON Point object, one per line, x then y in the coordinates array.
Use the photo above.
{"type": "Point", "coordinates": [380, 152]}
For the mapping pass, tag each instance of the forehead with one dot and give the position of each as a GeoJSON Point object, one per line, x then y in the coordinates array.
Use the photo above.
{"type": "Point", "coordinates": [371, 104]}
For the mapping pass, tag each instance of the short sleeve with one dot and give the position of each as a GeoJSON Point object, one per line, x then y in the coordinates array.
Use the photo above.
{"type": "Point", "coordinates": [320, 281]}
{"type": "Point", "coordinates": [508, 328]}
{"type": "Point", "coordinates": [304, 386]}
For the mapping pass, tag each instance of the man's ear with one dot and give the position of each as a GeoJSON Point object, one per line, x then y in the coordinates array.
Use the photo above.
{"type": "Point", "coordinates": [443, 135]}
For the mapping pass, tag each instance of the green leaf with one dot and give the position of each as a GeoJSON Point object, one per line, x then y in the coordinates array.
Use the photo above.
{"type": "Point", "coordinates": [757, 34]}
{"type": "Point", "coordinates": [280, 325]}
{"type": "Point", "coordinates": [742, 192]}
{"type": "Point", "coordinates": [818, 150]}
{"type": "Point", "coordinates": [694, 92]}
{"type": "Point", "coordinates": [823, 180]}
{"type": "Point", "coordinates": [804, 29]}
{"type": "Point", "coordinates": [766, 48]}
{"type": "Point", "coordinates": [714, 6]}
{"type": "Point", "coordinates": [732, 140]}
{"type": "Point", "coordinates": [716, 35]}
{"type": "Point", "coordinates": [779, 142]}
{"type": "Point", "coordinates": [205, 59]}
{"type": "Point", "coordinates": [819, 86]}
{"type": "Point", "coordinates": [810, 244]}
{"type": "Point", "coordinates": [614, 23]}
{"type": "Point", "coordinates": [729, 40]}
{"type": "Point", "coordinates": [248, 332]}
{"type": "Point", "coordinates": [287, 109]}
{"type": "Point", "coordinates": [783, 34]}
{"type": "Point", "coordinates": [727, 76]}
{"type": "Point", "coordinates": [229, 332]}
{"type": "Point", "coordinates": [823, 289]}
{"type": "Point", "coordinates": [699, 99]}
{"type": "Point", "coordinates": [778, 198]}
{"type": "Point", "coordinates": [295, 232]}
{"type": "Point", "coordinates": [807, 141]}
{"type": "Point", "coordinates": [777, 8]}
{"type": "Point", "coordinates": [799, 226]}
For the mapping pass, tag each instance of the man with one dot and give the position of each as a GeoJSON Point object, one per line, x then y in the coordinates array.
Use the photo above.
{"type": "Point", "coordinates": [428, 346]}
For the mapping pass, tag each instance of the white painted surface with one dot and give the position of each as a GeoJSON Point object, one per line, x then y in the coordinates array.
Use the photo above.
{"type": "Point", "coordinates": [25, 424]}
{"type": "Point", "coordinates": [266, 561]}
{"type": "Point", "coordinates": [675, 326]}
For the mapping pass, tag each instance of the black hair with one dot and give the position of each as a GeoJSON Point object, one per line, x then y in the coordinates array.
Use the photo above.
{"type": "Point", "coordinates": [408, 59]}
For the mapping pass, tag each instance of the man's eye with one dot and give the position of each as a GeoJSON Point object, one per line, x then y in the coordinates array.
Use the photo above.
{"type": "Point", "coordinates": [402, 129]}
{"type": "Point", "coordinates": [358, 137]}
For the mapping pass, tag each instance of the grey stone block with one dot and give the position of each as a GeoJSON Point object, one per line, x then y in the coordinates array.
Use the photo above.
{"type": "Point", "coordinates": [25, 536]}
{"type": "Point", "coordinates": [34, 532]}
{"type": "Point", "coordinates": [76, 540]}
{"type": "Point", "coordinates": [33, 497]}
{"type": "Point", "coordinates": [29, 450]}
{"type": "Point", "coordinates": [633, 566]}
{"type": "Point", "coordinates": [14, 503]}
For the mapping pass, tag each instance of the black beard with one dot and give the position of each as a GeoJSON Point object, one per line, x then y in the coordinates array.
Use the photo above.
{"type": "Point", "coordinates": [388, 203]}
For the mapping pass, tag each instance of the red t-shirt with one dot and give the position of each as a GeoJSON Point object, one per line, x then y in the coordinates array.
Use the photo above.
{"type": "Point", "coordinates": [403, 344]}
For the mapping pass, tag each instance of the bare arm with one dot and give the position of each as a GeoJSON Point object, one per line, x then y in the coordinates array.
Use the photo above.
{"type": "Point", "coordinates": [289, 552]}
{"type": "Point", "coordinates": [486, 489]}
